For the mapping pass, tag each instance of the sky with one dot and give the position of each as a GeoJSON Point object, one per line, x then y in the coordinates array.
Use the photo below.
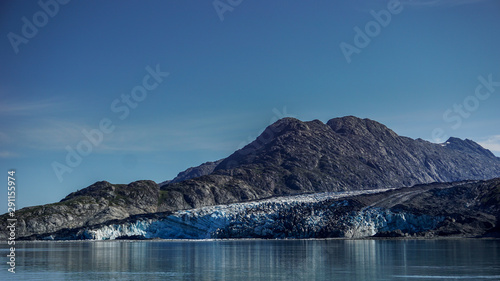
{"type": "Point", "coordinates": [131, 90]}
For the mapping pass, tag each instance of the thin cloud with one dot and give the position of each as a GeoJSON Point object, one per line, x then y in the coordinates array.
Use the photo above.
{"type": "Point", "coordinates": [55, 135]}
{"type": "Point", "coordinates": [28, 108]}
{"type": "Point", "coordinates": [186, 133]}
{"type": "Point", "coordinates": [492, 143]}
{"type": "Point", "coordinates": [160, 138]}
{"type": "Point", "coordinates": [4, 138]}
{"type": "Point", "coordinates": [7, 154]}
{"type": "Point", "coordinates": [49, 134]}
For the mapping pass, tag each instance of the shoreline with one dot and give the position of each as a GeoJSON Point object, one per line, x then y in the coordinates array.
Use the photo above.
{"type": "Point", "coordinates": [259, 239]}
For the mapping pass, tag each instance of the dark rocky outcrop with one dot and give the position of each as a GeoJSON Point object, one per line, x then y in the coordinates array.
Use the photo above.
{"type": "Point", "coordinates": [95, 204]}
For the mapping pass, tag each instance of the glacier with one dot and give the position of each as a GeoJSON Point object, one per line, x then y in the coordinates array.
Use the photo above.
{"type": "Point", "coordinates": [319, 215]}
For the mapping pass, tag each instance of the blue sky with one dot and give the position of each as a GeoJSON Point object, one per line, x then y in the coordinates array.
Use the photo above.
{"type": "Point", "coordinates": [233, 69]}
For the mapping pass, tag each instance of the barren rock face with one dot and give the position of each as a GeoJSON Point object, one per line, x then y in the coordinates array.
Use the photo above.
{"type": "Point", "coordinates": [95, 204]}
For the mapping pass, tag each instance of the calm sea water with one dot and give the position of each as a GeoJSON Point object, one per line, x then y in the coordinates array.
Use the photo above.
{"type": "Point", "coordinates": [234, 260]}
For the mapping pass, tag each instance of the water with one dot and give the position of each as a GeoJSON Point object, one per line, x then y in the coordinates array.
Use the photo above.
{"type": "Point", "coordinates": [234, 260]}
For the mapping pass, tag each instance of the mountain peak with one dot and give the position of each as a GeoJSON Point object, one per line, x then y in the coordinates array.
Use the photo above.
{"type": "Point", "coordinates": [468, 146]}
{"type": "Point", "coordinates": [352, 125]}
{"type": "Point", "coordinates": [286, 124]}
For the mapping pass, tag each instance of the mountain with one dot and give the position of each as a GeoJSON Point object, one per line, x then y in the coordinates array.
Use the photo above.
{"type": "Point", "coordinates": [290, 157]}
{"type": "Point", "coordinates": [95, 204]}
{"type": "Point", "coordinates": [193, 172]}
{"type": "Point", "coordinates": [460, 209]}
{"type": "Point", "coordinates": [348, 153]}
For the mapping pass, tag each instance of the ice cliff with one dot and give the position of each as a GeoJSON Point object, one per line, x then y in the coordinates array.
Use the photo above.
{"type": "Point", "coordinates": [303, 216]}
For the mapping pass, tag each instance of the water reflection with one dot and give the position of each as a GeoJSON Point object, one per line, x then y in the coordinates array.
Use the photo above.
{"type": "Point", "coordinates": [260, 260]}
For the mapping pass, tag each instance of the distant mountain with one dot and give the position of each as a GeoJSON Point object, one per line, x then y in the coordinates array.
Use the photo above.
{"type": "Point", "coordinates": [290, 157]}
{"type": "Point", "coordinates": [348, 153]}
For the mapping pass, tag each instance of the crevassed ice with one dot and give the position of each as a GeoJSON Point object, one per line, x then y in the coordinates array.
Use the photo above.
{"type": "Point", "coordinates": [206, 222]}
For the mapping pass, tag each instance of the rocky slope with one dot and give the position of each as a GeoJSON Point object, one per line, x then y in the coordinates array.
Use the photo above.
{"type": "Point", "coordinates": [95, 204]}
{"type": "Point", "coordinates": [462, 209]}
{"type": "Point", "coordinates": [193, 172]}
{"type": "Point", "coordinates": [348, 153]}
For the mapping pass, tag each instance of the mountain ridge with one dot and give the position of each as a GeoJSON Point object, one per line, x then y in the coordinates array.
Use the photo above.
{"type": "Point", "coordinates": [292, 157]}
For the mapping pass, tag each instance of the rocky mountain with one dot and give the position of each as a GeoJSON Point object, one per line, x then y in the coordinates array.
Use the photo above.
{"type": "Point", "coordinates": [460, 209]}
{"type": "Point", "coordinates": [348, 153]}
{"type": "Point", "coordinates": [290, 157]}
{"type": "Point", "coordinates": [193, 172]}
{"type": "Point", "coordinates": [95, 204]}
